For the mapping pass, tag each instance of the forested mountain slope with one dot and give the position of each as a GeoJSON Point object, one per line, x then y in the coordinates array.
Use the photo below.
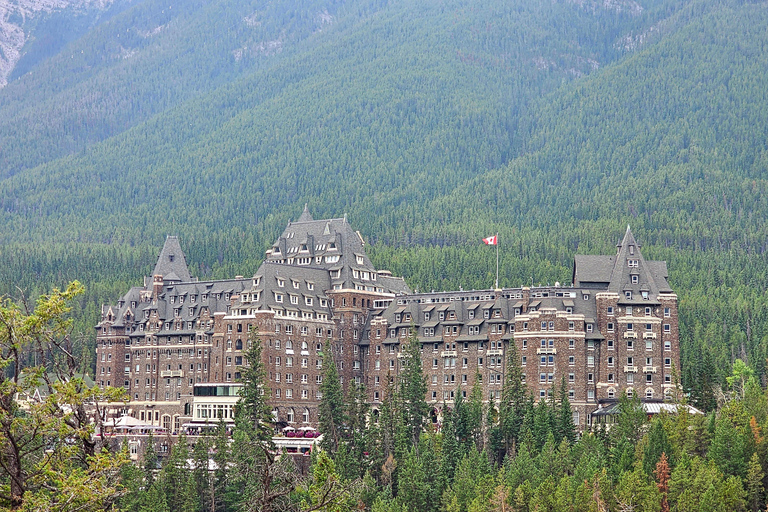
{"type": "Point", "coordinates": [430, 123]}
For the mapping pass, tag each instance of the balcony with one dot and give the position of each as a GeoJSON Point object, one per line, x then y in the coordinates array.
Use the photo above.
{"type": "Point", "coordinates": [649, 335]}
{"type": "Point", "coordinates": [448, 353]}
{"type": "Point", "coordinates": [551, 350]}
{"type": "Point", "coordinates": [171, 373]}
{"type": "Point", "coordinates": [650, 369]}
{"type": "Point", "coordinates": [630, 334]}
{"type": "Point", "coordinates": [630, 369]}
{"type": "Point", "coordinates": [495, 352]}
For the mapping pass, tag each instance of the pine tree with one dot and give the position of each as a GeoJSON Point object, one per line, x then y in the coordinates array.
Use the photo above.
{"type": "Point", "coordinates": [514, 400]}
{"type": "Point", "coordinates": [412, 389]}
{"type": "Point", "coordinates": [754, 484]}
{"type": "Point", "coordinates": [662, 473]}
{"type": "Point", "coordinates": [260, 481]}
{"type": "Point", "coordinates": [656, 445]}
{"type": "Point", "coordinates": [331, 409]}
{"type": "Point", "coordinates": [252, 411]}
{"type": "Point", "coordinates": [565, 429]}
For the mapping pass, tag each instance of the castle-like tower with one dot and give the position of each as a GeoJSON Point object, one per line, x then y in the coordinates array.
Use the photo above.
{"type": "Point", "coordinates": [176, 340]}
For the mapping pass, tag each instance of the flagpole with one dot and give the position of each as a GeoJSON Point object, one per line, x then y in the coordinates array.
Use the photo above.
{"type": "Point", "coordinates": [497, 261]}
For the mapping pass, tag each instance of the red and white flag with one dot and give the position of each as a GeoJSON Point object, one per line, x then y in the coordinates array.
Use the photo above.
{"type": "Point", "coordinates": [491, 240]}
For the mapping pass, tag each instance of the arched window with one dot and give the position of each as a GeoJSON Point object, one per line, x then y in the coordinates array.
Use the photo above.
{"type": "Point", "coordinates": [290, 415]}
{"type": "Point", "coordinates": [274, 414]}
{"type": "Point", "coordinates": [305, 416]}
{"type": "Point", "coordinates": [289, 345]}
{"type": "Point", "coordinates": [239, 345]}
{"type": "Point", "coordinates": [304, 345]}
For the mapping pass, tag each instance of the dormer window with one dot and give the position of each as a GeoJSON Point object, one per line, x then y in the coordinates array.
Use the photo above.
{"type": "Point", "coordinates": [398, 318]}
{"type": "Point", "coordinates": [632, 263]}
{"type": "Point", "coordinates": [295, 284]}
{"type": "Point", "coordinates": [426, 317]}
{"type": "Point", "coordinates": [278, 297]}
{"type": "Point", "coordinates": [331, 245]}
{"type": "Point", "coordinates": [631, 249]}
{"type": "Point", "coordinates": [359, 259]}
{"type": "Point", "coordinates": [589, 327]}
{"type": "Point", "coordinates": [442, 316]}
{"type": "Point", "coordinates": [281, 282]}
{"type": "Point", "coordinates": [628, 295]}
{"type": "Point", "coordinates": [634, 279]}
{"type": "Point", "coordinates": [304, 248]}
{"type": "Point", "coordinates": [645, 295]}
{"type": "Point", "coordinates": [310, 286]}
{"type": "Point", "coordinates": [276, 250]}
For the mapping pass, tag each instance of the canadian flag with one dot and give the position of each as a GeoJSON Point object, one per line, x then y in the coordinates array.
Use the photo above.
{"type": "Point", "coordinates": [491, 240]}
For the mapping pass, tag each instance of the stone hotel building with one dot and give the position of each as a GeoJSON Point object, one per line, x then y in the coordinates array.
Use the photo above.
{"type": "Point", "coordinates": [176, 344]}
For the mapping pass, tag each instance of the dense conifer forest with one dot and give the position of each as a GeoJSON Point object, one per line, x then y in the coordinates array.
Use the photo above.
{"type": "Point", "coordinates": [431, 124]}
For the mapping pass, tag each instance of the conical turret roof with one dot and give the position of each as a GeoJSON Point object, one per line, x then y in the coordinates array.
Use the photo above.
{"type": "Point", "coordinates": [171, 264]}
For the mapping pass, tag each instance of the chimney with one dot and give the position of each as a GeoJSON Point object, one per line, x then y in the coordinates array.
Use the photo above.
{"type": "Point", "coordinates": [157, 286]}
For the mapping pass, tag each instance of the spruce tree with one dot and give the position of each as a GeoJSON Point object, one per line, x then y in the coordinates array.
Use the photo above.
{"type": "Point", "coordinates": [331, 409]}
{"type": "Point", "coordinates": [565, 429]}
{"type": "Point", "coordinates": [252, 411]}
{"type": "Point", "coordinates": [514, 400]}
{"type": "Point", "coordinates": [412, 388]}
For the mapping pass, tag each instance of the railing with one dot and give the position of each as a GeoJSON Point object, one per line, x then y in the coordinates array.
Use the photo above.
{"type": "Point", "coordinates": [630, 369]}
{"type": "Point", "coordinates": [546, 350]}
{"type": "Point", "coordinates": [171, 373]}
{"type": "Point", "coordinates": [630, 334]}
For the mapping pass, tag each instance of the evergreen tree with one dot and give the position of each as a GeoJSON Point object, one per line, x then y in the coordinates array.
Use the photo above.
{"type": "Point", "coordinates": [412, 389]}
{"type": "Point", "coordinates": [656, 445]}
{"type": "Point", "coordinates": [260, 481]}
{"type": "Point", "coordinates": [565, 429]}
{"type": "Point", "coordinates": [252, 411]}
{"type": "Point", "coordinates": [331, 409]}
{"type": "Point", "coordinates": [450, 454]}
{"type": "Point", "coordinates": [754, 484]}
{"type": "Point", "coordinates": [514, 400]}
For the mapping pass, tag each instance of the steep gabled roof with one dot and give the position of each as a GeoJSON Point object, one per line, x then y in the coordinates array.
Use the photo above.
{"type": "Point", "coordinates": [171, 264]}
{"type": "Point", "coordinates": [615, 273]}
{"type": "Point", "coordinates": [305, 215]}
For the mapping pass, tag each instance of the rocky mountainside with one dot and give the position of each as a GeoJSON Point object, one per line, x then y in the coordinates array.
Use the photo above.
{"type": "Point", "coordinates": [16, 16]}
{"type": "Point", "coordinates": [431, 123]}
